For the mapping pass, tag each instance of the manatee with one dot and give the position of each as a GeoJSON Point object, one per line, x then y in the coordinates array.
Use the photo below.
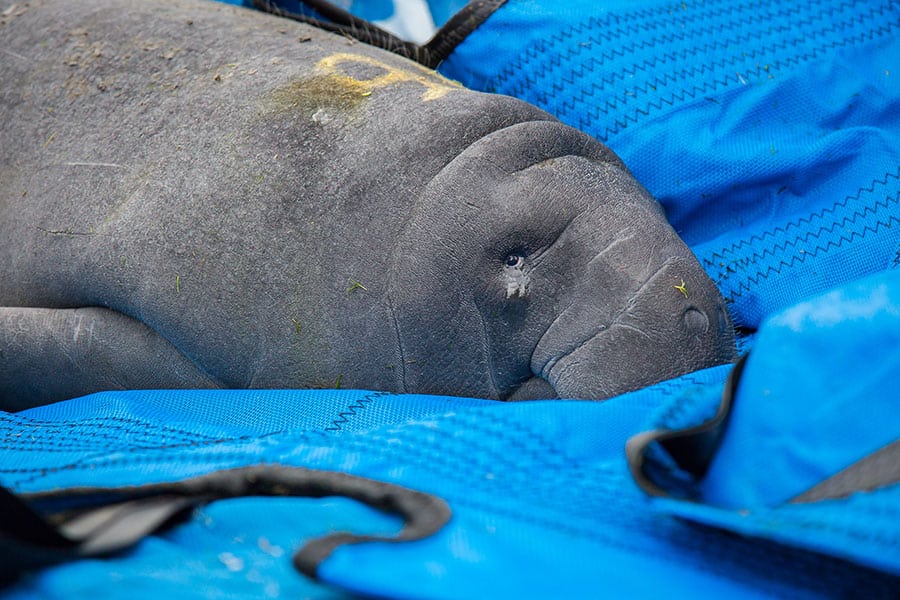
{"type": "Point", "coordinates": [194, 195]}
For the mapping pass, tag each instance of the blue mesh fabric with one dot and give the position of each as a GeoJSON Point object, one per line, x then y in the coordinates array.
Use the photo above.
{"type": "Point", "coordinates": [818, 394]}
{"type": "Point", "coordinates": [814, 404]}
{"type": "Point", "coordinates": [770, 131]}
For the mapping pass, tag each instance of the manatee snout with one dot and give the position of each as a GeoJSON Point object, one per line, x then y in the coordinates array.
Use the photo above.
{"type": "Point", "coordinates": [674, 324]}
{"type": "Point", "coordinates": [560, 276]}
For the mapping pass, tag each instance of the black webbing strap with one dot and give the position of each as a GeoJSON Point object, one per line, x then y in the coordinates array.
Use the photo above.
{"type": "Point", "coordinates": [100, 521]}
{"type": "Point", "coordinates": [879, 469]}
{"type": "Point", "coordinates": [29, 541]}
{"type": "Point", "coordinates": [338, 20]}
{"type": "Point", "coordinates": [692, 450]}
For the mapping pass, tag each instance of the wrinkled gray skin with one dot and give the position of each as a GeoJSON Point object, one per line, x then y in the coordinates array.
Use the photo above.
{"type": "Point", "coordinates": [189, 199]}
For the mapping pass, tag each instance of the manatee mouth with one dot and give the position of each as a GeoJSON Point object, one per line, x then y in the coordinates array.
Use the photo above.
{"type": "Point", "coordinates": [534, 388]}
{"type": "Point", "coordinates": [560, 370]}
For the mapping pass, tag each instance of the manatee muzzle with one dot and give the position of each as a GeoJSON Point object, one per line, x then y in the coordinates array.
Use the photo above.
{"type": "Point", "coordinates": [674, 324]}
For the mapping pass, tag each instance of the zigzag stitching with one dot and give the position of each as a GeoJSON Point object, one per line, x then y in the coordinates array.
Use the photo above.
{"type": "Point", "coordinates": [680, 97]}
{"type": "Point", "coordinates": [807, 220]}
{"type": "Point", "coordinates": [595, 61]}
{"type": "Point", "coordinates": [146, 455]}
{"type": "Point", "coordinates": [102, 429]}
{"type": "Point", "coordinates": [86, 463]}
{"type": "Point", "coordinates": [352, 410]}
{"type": "Point", "coordinates": [53, 446]}
{"type": "Point", "coordinates": [509, 448]}
{"type": "Point", "coordinates": [781, 248]}
{"type": "Point", "coordinates": [629, 95]}
{"type": "Point", "coordinates": [585, 120]}
{"type": "Point", "coordinates": [601, 27]}
{"type": "Point", "coordinates": [558, 85]}
{"type": "Point", "coordinates": [601, 32]}
{"type": "Point", "coordinates": [556, 60]}
{"type": "Point", "coordinates": [745, 286]}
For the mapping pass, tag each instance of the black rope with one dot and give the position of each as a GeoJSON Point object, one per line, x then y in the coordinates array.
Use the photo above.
{"type": "Point", "coordinates": [692, 449]}
{"type": "Point", "coordinates": [51, 527]}
{"type": "Point", "coordinates": [431, 54]}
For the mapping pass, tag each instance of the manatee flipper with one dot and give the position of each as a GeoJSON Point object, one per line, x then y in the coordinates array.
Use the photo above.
{"type": "Point", "coordinates": [47, 354]}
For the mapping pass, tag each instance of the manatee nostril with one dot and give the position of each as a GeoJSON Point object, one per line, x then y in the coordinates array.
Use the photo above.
{"type": "Point", "coordinates": [695, 321]}
{"type": "Point", "coordinates": [724, 322]}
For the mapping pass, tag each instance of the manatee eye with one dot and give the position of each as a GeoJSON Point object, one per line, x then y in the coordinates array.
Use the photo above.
{"type": "Point", "coordinates": [514, 261]}
{"type": "Point", "coordinates": [514, 277]}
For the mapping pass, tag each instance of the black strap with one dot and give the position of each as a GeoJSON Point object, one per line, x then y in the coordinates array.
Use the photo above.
{"type": "Point", "coordinates": [877, 470]}
{"type": "Point", "coordinates": [431, 54]}
{"type": "Point", "coordinates": [29, 541]}
{"type": "Point", "coordinates": [457, 29]}
{"type": "Point", "coordinates": [692, 449]}
{"type": "Point", "coordinates": [46, 528]}
{"type": "Point", "coordinates": [340, 21]}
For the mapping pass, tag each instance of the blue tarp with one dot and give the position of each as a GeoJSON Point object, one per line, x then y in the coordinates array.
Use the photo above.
{"type": "Point", "coordinates": [771, 134]}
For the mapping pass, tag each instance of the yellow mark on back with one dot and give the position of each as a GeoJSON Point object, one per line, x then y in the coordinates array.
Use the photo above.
{"type": "Point", "coordinates": [435, 85]}
{"type": "Point", "coordinates": [682, 288]}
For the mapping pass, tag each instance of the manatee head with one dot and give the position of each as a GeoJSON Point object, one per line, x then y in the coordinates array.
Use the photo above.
{"type": "Point", "coordinates": [536, 266]}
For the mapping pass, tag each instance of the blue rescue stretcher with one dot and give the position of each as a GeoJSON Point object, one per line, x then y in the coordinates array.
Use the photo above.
{"type": "Point", "coordinates": [770, 132]}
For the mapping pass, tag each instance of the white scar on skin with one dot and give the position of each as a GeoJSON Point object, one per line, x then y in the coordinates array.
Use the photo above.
{"type": "Point", "coordinates": [516, 282]}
